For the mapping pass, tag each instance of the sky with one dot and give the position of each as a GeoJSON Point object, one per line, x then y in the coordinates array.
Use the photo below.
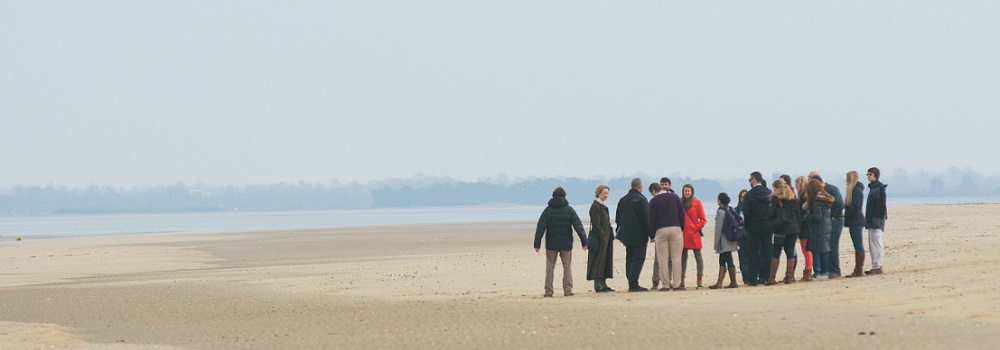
{"type": "Point", "coordinates": [135, 93]}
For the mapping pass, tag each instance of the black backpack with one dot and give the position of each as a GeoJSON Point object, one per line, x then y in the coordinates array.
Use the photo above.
{"type": "Point", "coordinates": [733, 228]}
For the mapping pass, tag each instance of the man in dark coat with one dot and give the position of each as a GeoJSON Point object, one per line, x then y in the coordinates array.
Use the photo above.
{"type": "Point", "coordinates": [876, 214]}
{"type": "Point", "coordinates": [559, 220]}
{"type": "Point", "coordinates": [633, 232]}
{"type": "Point", "coordinates": [755, 208]}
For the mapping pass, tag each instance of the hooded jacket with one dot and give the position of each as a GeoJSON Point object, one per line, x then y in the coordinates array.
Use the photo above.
{"type": "Point", "coordinates": [632, 218]}
{"type": "Point", "coordinates": [755, 206]}
{"type": "Point", "coordinates": [818, 220]}
{"type": "Point", "coordinates": [875, 210]}
{"type": "Point", "coordinates": [557, 223]}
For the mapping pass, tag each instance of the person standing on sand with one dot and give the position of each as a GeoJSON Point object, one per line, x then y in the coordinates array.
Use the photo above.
{"type": "Point", "coordinates": [600, 254]}
{"type": "Point", "coordinates": [694, 221]}
{"type": "Point", "coordinates": [633, 231]}
{"type": "Point", "coordinates": [876, 214]}
{"type": "Point", "coordinates": [807, 256]}
{"type": "Point", "coordinates": [817, 217]}
{"type": "Point", "coordinates": [666, 219]}
{"type": "Point", "coordinates": [559, 220]}
{"type": "Point", "coordinates": [854, 219]}
{"type": "Point", "coordinates": [723, 246]}
{"type": "Point", "coordinates": [758, 231]}
{"type": "Point", "coordinates": [743, 253]}
{"type": "Point", "coordinates": [783, 202]}
{"type": "Point", "coordinates": [836, 223]}
{"type": "Point", "coordinates": [665, 185]}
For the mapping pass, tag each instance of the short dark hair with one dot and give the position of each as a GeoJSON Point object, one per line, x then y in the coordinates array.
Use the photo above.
{"type": "Point", "coordinates": [559, 192]}
{"type": "Point", "coordinates": [636, 182]}
{"type": "Point", "coordinates": [874, 171]}
{"type": "Point", "coordinates": [724, 198]}
{"type": "Point", "coordinates": [655, 187]}
{"type": "Point", "coordinates": [665, 179]}
{"type": "Point", "coordinates": [760, 178]}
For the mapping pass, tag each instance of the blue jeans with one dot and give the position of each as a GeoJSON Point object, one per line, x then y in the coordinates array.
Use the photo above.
{"type": "Point", "coordinates": [786, 242]}
{"type": "Point", "coordinates": [858, 238]}
{"type": "Point", "coordinates": [838, 228]}
{"type": "Point", "coordinates": [824, 263]}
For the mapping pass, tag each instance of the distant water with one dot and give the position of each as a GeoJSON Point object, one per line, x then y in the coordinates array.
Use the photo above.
{"type": "Point", "coordinates": [89, 225]}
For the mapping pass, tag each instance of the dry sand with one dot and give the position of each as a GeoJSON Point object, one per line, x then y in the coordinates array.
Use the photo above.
{"type": "Point", "coordinates": [460, 286]}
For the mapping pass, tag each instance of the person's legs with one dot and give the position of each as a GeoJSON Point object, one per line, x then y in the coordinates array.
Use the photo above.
{"type": "Point", "coordinates": [754, 240]}
{"type": "Point", "coordinates": [635, 257]}
{"type": "Point", "coordinates": [663, 257]}
{"type": "Point", "coordinates": [700, 265]}
{"type": "Point", "coordinates": [808, 263]}
{"type": "Point", "coordinates": [722, 269]}
{"type": "Point", "coordinates": [567, 259]}
{"type": "Point", "coordinates": [656, 266]}
{"type": "Point", "coordinates": [857, 238]}
{"type": "Point", "coordinates": [743, 253]}
{"type": "Point", "coordinates": [550, 266]}
{"type": "Point", "coordinates": [875, 245]}
{"type": "Point", "coordinates": [838, 228]}
{"type": "Point", "coordinates": [675, 237]}
{"type": "Point", "coordinates": [765, 257]}
{"type": "Point", "coordinates": [684, 266]}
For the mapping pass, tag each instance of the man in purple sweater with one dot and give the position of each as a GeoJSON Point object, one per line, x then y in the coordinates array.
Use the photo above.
{"type": "Point", "coordinates": [666, 219]}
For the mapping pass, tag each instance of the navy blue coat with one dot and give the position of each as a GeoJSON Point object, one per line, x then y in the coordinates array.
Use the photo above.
{"type": "Point", "coordinates": [875, 211]}
{"type": "Point", "coordinates": [853, 215]}
{"type": "Point", "coordinates": [632, 218]}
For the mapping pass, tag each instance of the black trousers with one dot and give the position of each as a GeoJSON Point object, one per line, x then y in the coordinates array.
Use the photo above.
{"type": "Point", "coordinates": [635, 257]}
{"type": "Point", "coordinates": [759, 240]}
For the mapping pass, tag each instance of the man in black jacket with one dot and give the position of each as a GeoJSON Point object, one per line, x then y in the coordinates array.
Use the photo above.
{"type": "Point", "coordinates": [559, 220]}
{"type": "Point", "coordinates": [633, 231]}
{"type": "Point", "coordinates": [755, 207]}
{"type": "Point", "coordinates": [875, 215]}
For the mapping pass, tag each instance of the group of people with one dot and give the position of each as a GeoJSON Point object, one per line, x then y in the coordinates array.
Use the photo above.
{"type": "Point", "coordinates": [811, 213]}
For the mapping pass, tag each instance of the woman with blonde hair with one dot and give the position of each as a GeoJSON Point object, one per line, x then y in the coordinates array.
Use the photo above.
{"type": "Point", "coordinates": [599, 255]}
{"type": "Point", "coordinates": [817, 217]}
{"type": "Point", "coordinates": [854, 219]}
{"type": "Point", "coordinates": [800, 188]}
{"type": "Point", "coordinates": [694, 221]}
{"type": "Point", "coordinates": [784, 219]}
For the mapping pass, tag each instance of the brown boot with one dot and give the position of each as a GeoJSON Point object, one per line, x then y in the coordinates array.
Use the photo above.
{"type": "Point", "coordinates": [859, 266]}
{"type": "Point", "coordinates": [807, 275]}
{"type": "Point", "coordinates": [722, 276]}
{"type": "Point", "coordinates": [790, 271]}
{"type": "Point", "coordinates": [732, 278]}
{"type": "Point", "coordinates": [774, 271]}
{"type": "Point", "coordinates": [700, 286]}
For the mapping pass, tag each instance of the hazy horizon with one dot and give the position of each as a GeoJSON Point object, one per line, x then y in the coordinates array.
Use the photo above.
{"type": "Point", "coordinates": [147, 93]}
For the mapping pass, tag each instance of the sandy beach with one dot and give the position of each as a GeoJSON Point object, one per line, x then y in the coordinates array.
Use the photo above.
{"type": "Point", "coordinates": [461, 286]}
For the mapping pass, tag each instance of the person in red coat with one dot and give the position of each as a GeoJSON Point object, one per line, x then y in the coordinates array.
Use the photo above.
{"type": "Point", "coordinates": [694, 221]}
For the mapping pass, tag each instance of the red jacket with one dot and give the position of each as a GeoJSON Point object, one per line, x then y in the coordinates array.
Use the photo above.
{"type": "Point", "coordinates": [694, 221]}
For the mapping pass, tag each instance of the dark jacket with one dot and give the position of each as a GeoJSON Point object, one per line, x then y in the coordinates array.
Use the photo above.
{"type": "Point", "coordinates": [837, 207]}
{"type": "Point", "coordinates": [665, 210]}
{"type": "Point", "coordinates": [875, 211]}
{"type": "Point", "coordinates": [599, 249]}
{"type": "Point", "coordinates": [820, 229]}
{"type": "Point", "coordinates": [755, 206]}
{"type": "Point", "coordinates": [791, 206]}
{"type": "Point", "coordinates": [631, 216]}
{"type": "Point", "coordinates": [853, 215]}
{"type": "Point", "coordinates": [803, 226]}
{"type": "Point", "coordinates": [558, 220]}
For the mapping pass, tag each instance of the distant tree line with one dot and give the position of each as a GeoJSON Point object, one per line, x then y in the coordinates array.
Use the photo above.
{"type": "Point", "coordinates": [418, 191]}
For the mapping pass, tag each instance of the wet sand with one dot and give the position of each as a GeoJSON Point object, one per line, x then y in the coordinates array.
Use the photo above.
{"type": "Point", "coordinates": [460, 286]}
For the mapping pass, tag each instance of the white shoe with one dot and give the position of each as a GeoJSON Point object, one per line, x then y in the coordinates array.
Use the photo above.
{"type": "Point", "coordinates": [820, 277]}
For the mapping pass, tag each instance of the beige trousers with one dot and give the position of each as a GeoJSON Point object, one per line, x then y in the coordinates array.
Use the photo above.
{"type": "Point", "coordinates": [567, 257]}
{"type": "Point", "coordinates": [669, 246]}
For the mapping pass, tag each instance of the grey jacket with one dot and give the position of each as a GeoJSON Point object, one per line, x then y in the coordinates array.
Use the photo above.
{"type": "Point", "coordinates": [722, 245]}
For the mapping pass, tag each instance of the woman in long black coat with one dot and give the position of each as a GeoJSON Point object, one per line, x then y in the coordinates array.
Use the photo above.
{"type": "Point", "coordinates": [599, 256]}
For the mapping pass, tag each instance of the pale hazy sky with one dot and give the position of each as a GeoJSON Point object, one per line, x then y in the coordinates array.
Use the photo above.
{"type": "Point", "coordinates": [128, 93]}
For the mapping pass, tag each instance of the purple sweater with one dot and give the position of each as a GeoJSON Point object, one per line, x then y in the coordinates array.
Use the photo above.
{"type": "Point", "coordinates": [665, 210]}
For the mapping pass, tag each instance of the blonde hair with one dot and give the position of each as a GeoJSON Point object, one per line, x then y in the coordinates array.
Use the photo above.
{"type": "Point", "coordinates": [600, 188]}
{"type": "Point", "coordinates": [852, 180]}
{"type": "Point", "coordinates": [800, 185]}
{"type": "Point", "coordinates": [782, 190]}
